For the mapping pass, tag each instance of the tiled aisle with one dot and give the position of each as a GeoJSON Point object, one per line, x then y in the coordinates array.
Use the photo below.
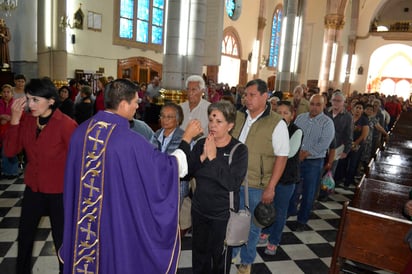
{"type": "Point", "coordinates": [300, 252]}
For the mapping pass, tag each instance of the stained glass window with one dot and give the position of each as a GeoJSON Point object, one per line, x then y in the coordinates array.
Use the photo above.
{"type": "Point", "coordinates": [275, 37]}
{"type": "Point", "coordinates": [141, 21]}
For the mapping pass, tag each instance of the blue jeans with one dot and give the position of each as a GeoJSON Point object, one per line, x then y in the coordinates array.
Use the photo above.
{"type": "Point", "coordinates": [248, 252]}
{"type": "Point", "coordinates": [354, 158]}
{"type": "Point", "coordinates": [10, 165]}
{"type": "Point", "coordinates": [310, 171]}
{"type": "Point", "coordinates": [283, 194]}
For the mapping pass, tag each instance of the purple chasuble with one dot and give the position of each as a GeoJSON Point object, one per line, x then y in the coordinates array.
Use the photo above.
{"type": "Point", "coordinates": [120, 202]}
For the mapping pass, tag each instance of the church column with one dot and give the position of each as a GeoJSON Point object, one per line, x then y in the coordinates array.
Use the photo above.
{"type": "Point", "coordinates": [51, 46]}
{"type": "Point", "coordinates": [185, 44]}
{"type": "Point", "coordinates": [332, 48]}
{"type": "Point", "coordinates": [172, 70]}
{"type": "Point", "coordinates": [351, 45]}
{"type": "Point", "coordinates": [297, 78]}
{"type": "Point", "coordinates": [286, 51]}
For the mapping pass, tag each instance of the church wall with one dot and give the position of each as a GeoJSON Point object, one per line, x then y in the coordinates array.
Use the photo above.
{"type": "Point", "coordinates": [246, 26]}
{"type": "Point", "coordinates": [94, 49]}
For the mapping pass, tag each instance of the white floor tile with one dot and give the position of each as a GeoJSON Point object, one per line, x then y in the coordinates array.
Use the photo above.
{"type": "Point", "coordinates": [299, 252]}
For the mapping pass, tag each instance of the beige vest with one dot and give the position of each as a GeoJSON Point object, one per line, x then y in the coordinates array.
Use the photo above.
{"type": "Point", "coordinates": [260, 149]}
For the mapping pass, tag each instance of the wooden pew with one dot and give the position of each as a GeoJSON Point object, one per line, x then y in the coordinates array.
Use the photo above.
{"type": "Point", "coordinates": [391, 167]}
{"type": "Point", "coordinates": [372, 228]}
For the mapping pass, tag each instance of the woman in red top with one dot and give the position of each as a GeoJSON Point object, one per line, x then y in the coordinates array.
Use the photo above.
{"type": "Point", "coordinates": [45, 136]}
{"type": "Point", "coordinates": [10, 165]}
{"type": "Point", "coordinates": [99, 102]}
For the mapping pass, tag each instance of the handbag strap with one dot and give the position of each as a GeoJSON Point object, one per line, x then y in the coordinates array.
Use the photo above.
{"type": "Point", "coordinates": [246, 187]}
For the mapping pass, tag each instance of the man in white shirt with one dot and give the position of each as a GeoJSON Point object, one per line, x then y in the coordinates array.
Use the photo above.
{"type": "Point", "coordinates": [266, 135]}
{"type": "Point", "coordinates": [195, 107]}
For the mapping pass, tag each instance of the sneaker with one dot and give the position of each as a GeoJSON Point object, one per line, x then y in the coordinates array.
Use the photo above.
{"type": "Point", "coordinates": [244, 269]}
{"type": "Point", "coordinates": [263, 238]}
{"type": "Point", "coordinates": [270, 249]}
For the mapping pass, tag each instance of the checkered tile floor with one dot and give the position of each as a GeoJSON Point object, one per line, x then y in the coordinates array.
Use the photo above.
{"type": "Point", "coordinates": [300, 252]}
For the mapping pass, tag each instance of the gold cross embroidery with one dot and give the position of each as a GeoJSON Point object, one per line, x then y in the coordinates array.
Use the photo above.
{"type": "Point", "coordinates": [91, 187]}
{"type": "Point", "coordinates": [88, 231]}
{"type": "Point", "coordinates": [84, 270]}
{"type": "Point", "coordinates": [96, 139]}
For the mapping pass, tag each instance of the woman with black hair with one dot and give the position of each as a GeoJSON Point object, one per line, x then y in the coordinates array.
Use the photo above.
{"type": "Point", "coordinates": [44, 134]}
{"type": "Point", "coordinates": [85, 108]}
{"type": "Point", "coordinates": [66, 105]}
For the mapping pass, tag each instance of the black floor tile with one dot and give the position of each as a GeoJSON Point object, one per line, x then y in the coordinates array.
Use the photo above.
{"type": "Point", "coordinates": [314, 266]}
{"type": "Point", "coordinates": [289, 238]}
{"type": "Point", "coordinates": [4, 248]}
{"type": "Point", "coordinates": [4, 211]}
{"type": "Point", "coordinates": [11, 194]}
{"type": "Point", "coordinates": [42, 234]}
{"type": "Point", "coordinates": [10, 222]}
{"type": "Point", "coordinates": [328, 235]}
{"type": "Point", "coordinates": [8, 265]}
{"type": "Point", "coordinates": [321, 250]}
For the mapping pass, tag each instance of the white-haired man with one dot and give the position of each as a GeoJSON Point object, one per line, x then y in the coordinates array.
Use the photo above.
{"type": "Point", "coordinates": [195, 107]}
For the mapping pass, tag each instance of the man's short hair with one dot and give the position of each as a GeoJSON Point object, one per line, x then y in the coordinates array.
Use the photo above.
{"type": "Point", "coordinates": [117, 91]}
{"type": "Point", "coordinates": [196, 78]}
{"type": "Point", "coordinates": [340, 94]}
{"type": "Point", "coordinates": [260, 84]}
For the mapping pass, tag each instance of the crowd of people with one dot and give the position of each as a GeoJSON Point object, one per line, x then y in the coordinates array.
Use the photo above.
{"type": "Point", "coordinates": [97, 169]}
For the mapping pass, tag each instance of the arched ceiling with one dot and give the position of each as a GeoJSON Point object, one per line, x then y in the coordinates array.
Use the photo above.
{"type": "Point", "coordinates": [394, 11]}
{"type": "Point", "coordinates": [385, 11]}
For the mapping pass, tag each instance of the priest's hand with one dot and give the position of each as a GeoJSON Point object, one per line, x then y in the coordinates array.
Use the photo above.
{"type": "Point", "coordinates": [193, 129]}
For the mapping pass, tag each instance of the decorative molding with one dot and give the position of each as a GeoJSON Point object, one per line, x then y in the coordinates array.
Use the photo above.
{"type": "Point", "coordinates": [391, 35]}
{"type": "Point", "coordinates": [334, 21]}
{"type": "Point", "coordinates": [261, 23]}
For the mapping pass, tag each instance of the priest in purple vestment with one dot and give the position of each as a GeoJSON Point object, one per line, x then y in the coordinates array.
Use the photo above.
{"type": "Point", "coordinates": [121, 196]}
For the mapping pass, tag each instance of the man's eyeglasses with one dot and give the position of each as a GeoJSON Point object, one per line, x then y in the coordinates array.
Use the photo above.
{"type": "Point", "coordinates": [164, 117]}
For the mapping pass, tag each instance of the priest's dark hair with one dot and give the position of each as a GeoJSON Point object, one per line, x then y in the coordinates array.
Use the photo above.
{"type": "Point", "coordinates": [117, 91]}
{"type": "Point", "coordinates": [45, 88]}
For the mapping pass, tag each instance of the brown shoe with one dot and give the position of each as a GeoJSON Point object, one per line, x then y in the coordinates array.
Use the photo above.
{"type": "Point", "coordinates": [244, 269]}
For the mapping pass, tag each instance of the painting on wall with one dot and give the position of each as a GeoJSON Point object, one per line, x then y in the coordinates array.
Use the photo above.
{"type": "Point", "coordinates": [78, 19]}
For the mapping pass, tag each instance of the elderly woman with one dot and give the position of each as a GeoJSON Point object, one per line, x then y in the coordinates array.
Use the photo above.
{"type": "Point", "coordinates": [215, 178]}
{"type": "Point", "coordinates": [44, 134]}
{"type": "Point", "coordinates": [169, 136]}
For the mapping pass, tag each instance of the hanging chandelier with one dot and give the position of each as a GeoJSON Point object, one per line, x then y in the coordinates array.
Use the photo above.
{"type": "Point", "coordinates": [7, 6]}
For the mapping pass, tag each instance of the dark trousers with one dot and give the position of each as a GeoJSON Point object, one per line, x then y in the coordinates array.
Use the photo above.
{"type": "Point", "coordinates": [34, 206]}
{"type": "Point", "coordinates": [209, 255]}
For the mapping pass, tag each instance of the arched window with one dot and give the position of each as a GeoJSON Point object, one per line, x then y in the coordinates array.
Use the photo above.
{"type": "Point", "coordinates": [275, 37]}
{"type": "Point", "coordinates": [229, 46]}
{"type": "Point", "coordinates": [140, 23]}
